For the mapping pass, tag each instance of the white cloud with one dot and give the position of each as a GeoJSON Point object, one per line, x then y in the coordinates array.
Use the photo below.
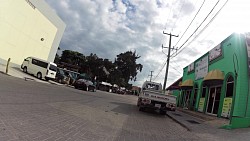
{"type": "Point", "coordinates": [108, 28]}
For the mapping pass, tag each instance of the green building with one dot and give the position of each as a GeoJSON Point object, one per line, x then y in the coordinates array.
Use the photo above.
{"type": "Point", "coordinates": [217, 83]}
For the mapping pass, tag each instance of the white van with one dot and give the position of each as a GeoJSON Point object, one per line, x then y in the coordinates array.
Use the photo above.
{"type": "Point", "coordinates": [39, 68]}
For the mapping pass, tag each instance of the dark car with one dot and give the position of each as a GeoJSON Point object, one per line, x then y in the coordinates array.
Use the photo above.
{"type": "Point", "coordinates": [84, 82]}
{"type": "Point", "coordinates": [61, 76]}
{"type": "Point", "coordinates": [72, 76]}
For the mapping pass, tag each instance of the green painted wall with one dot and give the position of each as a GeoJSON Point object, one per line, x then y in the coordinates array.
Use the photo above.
{"type": "Point", "coordinates": [234, 56]}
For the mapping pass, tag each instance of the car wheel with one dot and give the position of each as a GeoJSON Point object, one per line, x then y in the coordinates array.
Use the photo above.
{"type": "Point", "coordinates": [139, 102]}
{"type": "Point", "coordinates": [25, 69]}
{"type": "Point", "coordinates": [59, 80]}
{"type": "Point", "coordinates": [39, 75]}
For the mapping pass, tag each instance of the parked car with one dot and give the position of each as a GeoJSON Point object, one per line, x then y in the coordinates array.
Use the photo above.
{"type": "Point", "coordinates": [72, 76]}
{"type": "Point", "coordinates": [62, 77]}
{"type": "Point", "coordinates": [84, 82]}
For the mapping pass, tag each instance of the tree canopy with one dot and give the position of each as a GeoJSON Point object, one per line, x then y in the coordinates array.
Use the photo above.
{"type": "Point", "coordinates": [123, 69]}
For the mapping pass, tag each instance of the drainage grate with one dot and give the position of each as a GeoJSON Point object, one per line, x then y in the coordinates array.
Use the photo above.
{"type": "Point", "coordinates": [177, 114]}
{"type": "Point", "coordinates": [193, 122]}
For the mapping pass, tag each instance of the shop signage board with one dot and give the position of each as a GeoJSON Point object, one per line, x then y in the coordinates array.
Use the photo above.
{"type": "Point", "coordinates": [191, 67]}
{"type": "Point", "coordinates": [201, 68]}
{"type": "Point", "coordinates": [215, 53]}
{"type": "Point", "coordinates": [248, 50]}
{"type": "Point", "coordinates": [226, 107]}
{"type": "Point", "coordinates": [201, 104]}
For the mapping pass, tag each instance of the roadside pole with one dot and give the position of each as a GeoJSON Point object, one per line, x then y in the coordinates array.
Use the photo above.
{"type": "Point", "coordinates": [168, 59]}
{"type": "Point", "coordinates": [151, 75]}
{"type": "Point", "coordinates": [7, 66]}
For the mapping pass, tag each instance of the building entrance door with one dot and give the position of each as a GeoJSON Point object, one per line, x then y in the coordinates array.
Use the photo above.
{"type": "Point", "coordinates": [213, 100]}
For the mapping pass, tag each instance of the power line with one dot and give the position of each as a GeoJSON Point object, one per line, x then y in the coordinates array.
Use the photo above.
{"type": "Point", "coordinates": [163, 65]}
{"type": "Point", "coordinates": [198, 26]}
{"type": "Point", "coordinates": [203, 28]}
{"type": "Point", "coordinates": [190, 22]}
{"type": "Point", "coordinates": [177, 64]}
{"type": "Point", "coordinates": [160, 69]}
{"type": "Point", "coordinates": [175, 69]}
{"type": "Point", "coordinates": [177, 16]}
{"type": "Point", "coordinates": [168, 16]}
{"type": "Point", "coordinates": [162, 48]}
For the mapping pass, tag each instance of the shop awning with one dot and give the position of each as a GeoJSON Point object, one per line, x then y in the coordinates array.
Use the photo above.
{"type": "Point", "coordinates": [214, 77]}
{"type": "Point", "coordinates": [187, 84]}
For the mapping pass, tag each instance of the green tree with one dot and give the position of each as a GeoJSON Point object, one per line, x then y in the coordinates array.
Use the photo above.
{"type": "Point", "coordinates": [126, 63]}
{"type": "Point", "coordinates": [57, 57]}
{"type": "Point", "coordinates": [72, 57]}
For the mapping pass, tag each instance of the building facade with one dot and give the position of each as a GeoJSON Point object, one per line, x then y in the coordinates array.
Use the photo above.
{"type": "Point", "coordinates": [217, 83]}
{"type": "Point", "coordinates": [29, 28]}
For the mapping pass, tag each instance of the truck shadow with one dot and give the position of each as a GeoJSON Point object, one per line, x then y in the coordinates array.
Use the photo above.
{"type": "Point", "coordinates": [130, 109]}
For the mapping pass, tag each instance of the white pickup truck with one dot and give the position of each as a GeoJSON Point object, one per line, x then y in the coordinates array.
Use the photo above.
{"type": "Point", "coordinates": [153, 97]}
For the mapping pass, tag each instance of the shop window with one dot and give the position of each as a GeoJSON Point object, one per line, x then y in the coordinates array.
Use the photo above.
{"type": "Point", "coordinates": [230, 87]}
{"type": "Point", "coordinates": [203, 92]}
{"type": "Point", "coordinates": [186, 99]}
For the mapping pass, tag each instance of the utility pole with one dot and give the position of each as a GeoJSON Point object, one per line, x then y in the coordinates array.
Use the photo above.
{"type": "Point", "coordinates": [151, 75]}
{"type": "Point", "coordinates": [168, 59]}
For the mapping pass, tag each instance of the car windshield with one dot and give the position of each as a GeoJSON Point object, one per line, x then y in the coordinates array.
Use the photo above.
{"type": "Point", "coordinates": [84, 76]}
{"type": "Point", "coordinates": [61, 71]}
{"type": "Point", "coordinates": [152, 86]}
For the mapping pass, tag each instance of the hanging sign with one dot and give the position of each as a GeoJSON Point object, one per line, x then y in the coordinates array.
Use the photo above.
{"type": "Point", "coordinates": [226, 109]}
{"type": "Point", "coordinates": [201, 104]}
{"type": "Point", "coordinates": [201, 68]}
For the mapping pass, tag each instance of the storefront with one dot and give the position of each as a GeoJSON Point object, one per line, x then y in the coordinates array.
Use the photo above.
{"type": "Point", "coordinates": [217, 83]}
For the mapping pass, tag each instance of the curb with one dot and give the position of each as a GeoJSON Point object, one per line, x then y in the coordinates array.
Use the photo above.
{"type": "Point", "coordinates": [4, 73]}
{"type": "Point", "coordinates": [183, 125]}
{"type": "Point", "coordinates": [55, 83]}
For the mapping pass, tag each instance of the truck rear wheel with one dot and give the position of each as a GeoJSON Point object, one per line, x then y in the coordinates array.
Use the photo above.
{"type": "Point", "coordinates": [163, 112]}
{"type": "Point", "coordinates": [141, 109]}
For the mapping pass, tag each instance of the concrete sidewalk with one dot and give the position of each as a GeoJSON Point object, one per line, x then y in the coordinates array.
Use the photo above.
{"type": "Point", "coordinates": [17, 72]}
{"type": "Point", "coordinates": [208, 127]}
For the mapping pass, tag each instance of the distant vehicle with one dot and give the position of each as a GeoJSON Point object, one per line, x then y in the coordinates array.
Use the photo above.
{"type": "Point", "coordinates": [152, 97]}
{"type": "Point", "coordinates": [39, 68]}
{"type": "Point", "coordinates": [61, 77]}
{"type": "Point", "coordinates": [72, 76]}
{"type": "Point", "coordinates": [84, 82]}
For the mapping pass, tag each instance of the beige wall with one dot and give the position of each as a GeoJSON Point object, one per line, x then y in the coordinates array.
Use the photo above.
{"type": "Point", "coordinates": [21, 30]}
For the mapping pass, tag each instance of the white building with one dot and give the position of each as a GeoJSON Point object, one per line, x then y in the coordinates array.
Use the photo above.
{"type": "Point", "coordinates": [28, 28]}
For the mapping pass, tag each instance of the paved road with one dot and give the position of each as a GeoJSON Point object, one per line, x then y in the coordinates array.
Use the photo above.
{"type": "Point", "coordinates": [44, 112]}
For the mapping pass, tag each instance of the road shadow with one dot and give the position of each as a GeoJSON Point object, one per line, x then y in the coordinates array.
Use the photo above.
{"type": "Point", "coordinates": [1, 72]}
{"type": "Point", "coordinates": [128, 109]}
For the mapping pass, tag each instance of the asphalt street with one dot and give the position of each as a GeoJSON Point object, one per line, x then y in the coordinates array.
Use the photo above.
{"type": "Point", "coordinates": [31, 110]}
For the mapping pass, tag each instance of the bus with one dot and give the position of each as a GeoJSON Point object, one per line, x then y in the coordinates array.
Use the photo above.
{"type": "Point", "coordinates": [40, 68]}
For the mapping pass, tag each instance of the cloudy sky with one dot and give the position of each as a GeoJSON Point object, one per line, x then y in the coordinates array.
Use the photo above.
{"type": "Point", "coordinates": [110, 27]}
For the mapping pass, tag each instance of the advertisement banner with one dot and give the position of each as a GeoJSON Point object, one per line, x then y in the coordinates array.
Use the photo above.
{"type": "Point", "coordinates": [191, 67]}
{"type": "Point", "coordinates": [201, 68]}
{"type": "Point", "coordinates": [226, 107]}
{"type": "Point", "coordinates": [201, 104]}
{"type": "Point", "coordinates": [215, 53]}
